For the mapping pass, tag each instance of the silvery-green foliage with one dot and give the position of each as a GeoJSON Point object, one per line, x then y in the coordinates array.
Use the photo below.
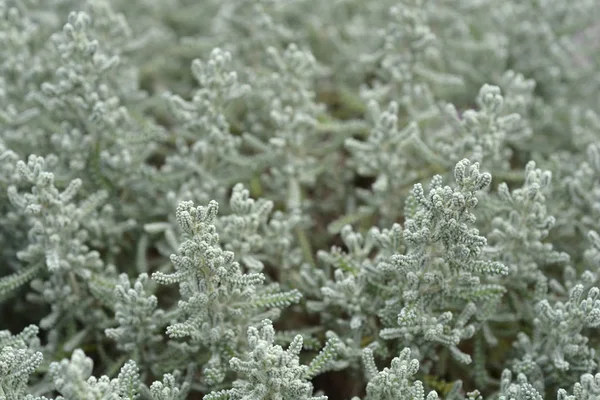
{"type": "Point", "coordinates": [405, 74]}
{"type": "Point", "coordinates": [427, 280]}
{"type": "Point", "coordinates": [73, 379]}
{"type": "Point", "coordinates": [11, 239]}
{"type": "Point", "coordinates": [250, 229]}
{"type": "Point", "coordinates": [390, 153]}
{"type": "Point", "coordinates": [19, 358]}
{"type": "Point", "coordinates": [519, 98]}
{"type": "Point", "coordinates": [304, 119]}
{"type": "Point", "coordinates": [58, 254]}
{"type": "Point", "coordinates": [207, 152]}
{"type": "Point", "coordinates": [548, 50]}
{"type": "Point", "coordinates": [282, 124]}
{"type": "Point", "coordinates": [519, 228]}
{"type": "Point", "coordinates": [218, 300]}
{"type": "Point", "coordinates": [548, 41]}
{"type": "Point", "coordinates": [247, 27]}
{"type": "Point", "coordinates": [378, 156]}
{"type": "Point", "coordinates": [139, 323]}
{"type": "Point", "coordinates": [257, 235]}
{"type": "Point", "coordinates": [519, 225]}
{"type": "Point", "coordinates": [521, 390]}
{"type": "Point", "coordinates": [486, 36]}
{"type": "Point", "coordinates": [88, 99]}
{"type": "Point", "coordinates": [397, 381]}
{"type": "Point", "coordinates": [350, 291]}
{"type": "Point", "coordinates": [17, 47]}
{"type": "Point", "coordinates": [559, 356]}
{"type": "Point", "coordinates": [581, 188]}
{"type": "Point", "coordinates": [585, 124]}
{"type": "Point", "coordinates": [592, 254]}
{"type": "Point", "coordinates": [170, 388]}
{"type": "Point", "coordinates": [557, 52]}
{"type": "Point", "coordinates": [82, 98]}
{"type": "Point", "coordinates": [444, 267]}
{"type": "Point", "coordinates": [270, 372]}
{"type": "Point", "coordinates": [408, 61]}
{"type": "Point", "coordinates": [588, 388]}
{"type": "Point", "coordinates": [486, 133]}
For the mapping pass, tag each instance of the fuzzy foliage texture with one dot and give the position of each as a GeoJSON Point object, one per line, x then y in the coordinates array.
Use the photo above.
{"type": "Point", "coordinates": [299, 200]}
